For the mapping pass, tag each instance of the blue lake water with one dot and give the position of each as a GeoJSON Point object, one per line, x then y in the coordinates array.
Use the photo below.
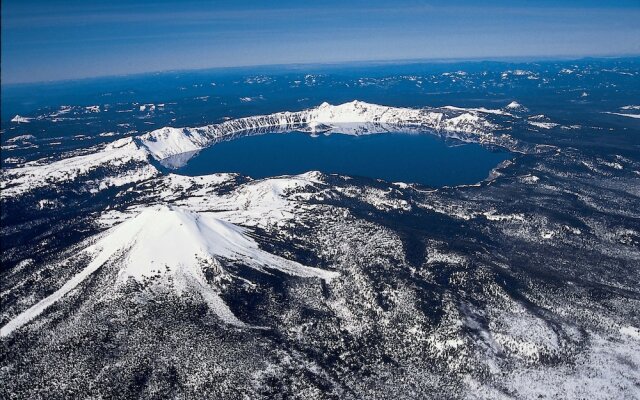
{"type": "Point", "coordinates": [394, 157]}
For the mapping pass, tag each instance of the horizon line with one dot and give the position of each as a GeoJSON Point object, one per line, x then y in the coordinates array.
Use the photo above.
{"type": "Point", "coordinates": [371, 62]}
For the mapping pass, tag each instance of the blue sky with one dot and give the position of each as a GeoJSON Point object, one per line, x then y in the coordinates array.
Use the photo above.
{"type": "Point", "coordinates": [54, 40]}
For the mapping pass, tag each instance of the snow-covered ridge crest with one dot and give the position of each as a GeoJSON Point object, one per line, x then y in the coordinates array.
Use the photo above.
{"type": "Point", "coordinates": [126, 161]}
{"type": "Point", "coordinates": [172, 246]}
{"type": "Point", "coordinates": [20, 119]}
{"type": "Point", "coordinates": [168, 142]}
{"type": "Point", "coordinates": [122, 153]}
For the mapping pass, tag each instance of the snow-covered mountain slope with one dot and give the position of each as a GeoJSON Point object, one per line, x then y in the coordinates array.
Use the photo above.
{"type": "Point", "coordinates": [172, 247]}
{"type": "Point", "coordinates": [514, 106]}
{"type": "Point", "coordinates": [171, 240]}
{"type": "Point", "coordinates": [263, 203]}
{"type": "Point", "coordinates": [20, 120]}
{"type": "Point", "coordinates": [449, 304]}
{"type": "Point", "coordinates": [128, 160]}
{"type": "Point", "coordinates": [167, 142]}
{"type": "Point", "coordinates": [122, 162]}
{"type": "Point", "coordinates": [522, 286]}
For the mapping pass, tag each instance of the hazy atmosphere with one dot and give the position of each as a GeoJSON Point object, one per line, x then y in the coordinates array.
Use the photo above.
{"type": "Point", "coordinates": [55, 40]}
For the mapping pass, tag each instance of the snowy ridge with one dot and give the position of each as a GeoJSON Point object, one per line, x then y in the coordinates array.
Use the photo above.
{"type": "Point", "coordinates": [624, 114]}
{"type": "Point", "coordinates": [168, 142]}
{"type": "Point", "coordinates": [18, 119]}
{"type": "Point", "coordinates": [172, 246]}
{"type": "Point", "coordinates": [116, 154]}
{"type": "Point", "coordinates": [127, 160]}
{"type": "Point", "coordinates": [481, 110]}
{"type": "Point", "coordinates": [262, 203]}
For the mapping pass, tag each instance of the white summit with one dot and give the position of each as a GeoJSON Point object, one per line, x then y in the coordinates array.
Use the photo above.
{"type": "Point", "coordinates": [171, 247]}
{"type": "Point", "coordinates": [515, 106]}
{"type": "Point", "coordinates": [20, 119]}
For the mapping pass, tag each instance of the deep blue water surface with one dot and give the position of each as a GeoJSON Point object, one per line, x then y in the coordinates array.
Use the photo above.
{"type": "Point", "coordinates": [63, 116]}
{"type": "Point", "coordinates": [395, 157]}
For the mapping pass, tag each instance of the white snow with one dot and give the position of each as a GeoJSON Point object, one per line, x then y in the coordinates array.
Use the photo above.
{"type": "Point", "coordinates": [604, 372]}
{"type": "Point", "coordinates": [147, 107]}
{"type": "Point", "coordinates": [355, 118]}
{"type": "Point", "coordinates": [263, 203]}
{"type": "Point", "coordinates": [624, 114]}
{"type": "Point", "coordinates": [520, 72]}
{"type": "Point", "coordinates": [63, 110]}
{"type": "Point", "coordinates": [493, 216]}
{"type": "Point", "coordinates": [515, 106]}
{"type": "Point", "coordinates": [171, 246]}
{"type": "Point", "coordinates": [167, 142]}
{"type": "Point", "coordinates": [20, 120]}
{"type": "Point", "coordinates": [478, 109]}
{"type": "Point", "coordinates": [631, 331]}
{"type": "Point", "coordinates": [21, 138]}
{"type": "Point", "coordinates": [168, 239]}
{"type": "Point", "coordinates": [543, 125]}
{"type": "Point", "coordinates": [37, 174]}
{"type": "Point", "coordinates": [32, 312]}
